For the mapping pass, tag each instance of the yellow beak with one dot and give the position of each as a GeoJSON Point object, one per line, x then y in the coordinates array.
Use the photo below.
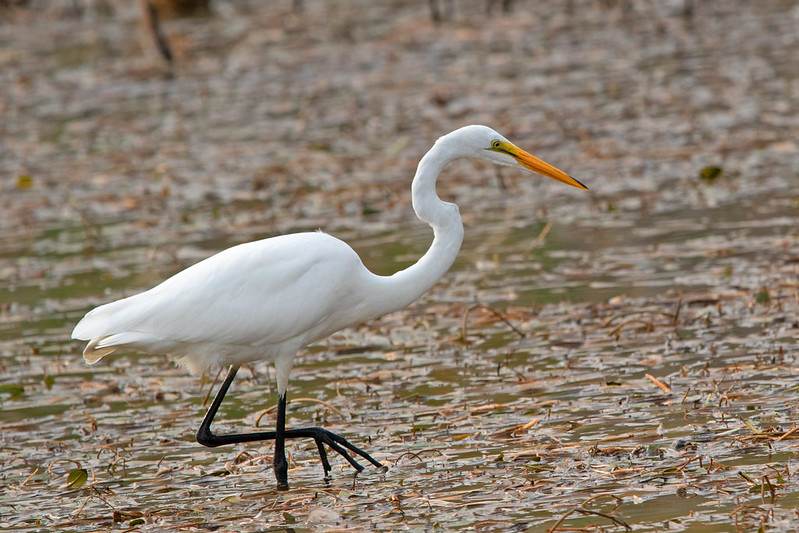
{"type": "Point", "coordinates": [531, 162]}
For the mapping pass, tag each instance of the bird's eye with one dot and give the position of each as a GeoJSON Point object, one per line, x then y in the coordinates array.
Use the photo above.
{"type": "Point", "coordinates": [495, 144]}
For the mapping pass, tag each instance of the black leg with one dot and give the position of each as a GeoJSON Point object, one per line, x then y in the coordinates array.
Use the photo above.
{"type": "Point", "coordinates": [204, 435]}
{"type": "Point", "coordinates": [320, 435]}
{"type": "Point", "coordinates": [280, 463]}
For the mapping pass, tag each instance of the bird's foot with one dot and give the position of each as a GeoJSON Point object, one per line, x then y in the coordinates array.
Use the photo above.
{"type": "Point", "coordinates": [336, 442]}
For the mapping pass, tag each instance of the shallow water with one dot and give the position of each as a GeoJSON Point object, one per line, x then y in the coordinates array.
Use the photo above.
{"type": "Point", "coordinates": [516, 389]}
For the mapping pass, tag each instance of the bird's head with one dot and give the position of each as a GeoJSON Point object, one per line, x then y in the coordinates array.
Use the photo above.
{"type": "Point", "coordinates": [483, 142]}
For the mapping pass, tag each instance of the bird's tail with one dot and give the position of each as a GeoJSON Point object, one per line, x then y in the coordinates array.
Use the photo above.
{"type": "Point", "coordinates": [92, 353]}
{"type": "Point", "coordinates": [107, 328]}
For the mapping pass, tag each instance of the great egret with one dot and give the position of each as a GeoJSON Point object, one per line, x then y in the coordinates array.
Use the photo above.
{"type": "Point", "coordinates": [267, 299]}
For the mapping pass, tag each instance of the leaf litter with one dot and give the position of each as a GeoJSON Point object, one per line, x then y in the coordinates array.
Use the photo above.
{"type": "Point", "coordinates": [622, 360]}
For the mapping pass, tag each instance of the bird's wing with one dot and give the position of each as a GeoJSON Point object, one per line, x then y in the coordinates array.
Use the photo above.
{"type": "Point", "coordinates": [259, 293]}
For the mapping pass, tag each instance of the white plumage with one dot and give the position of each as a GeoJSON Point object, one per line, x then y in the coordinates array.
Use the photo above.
{"type": "Point", "coordinates": [269, 298]}
{"type": "Point", "coordinates": [239, 305]}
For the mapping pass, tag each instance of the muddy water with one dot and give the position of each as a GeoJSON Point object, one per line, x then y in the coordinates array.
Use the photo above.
{"type": "Point", "coordinates": [411, 385]}
{"type": "Point", "coordinates": [518, 388]}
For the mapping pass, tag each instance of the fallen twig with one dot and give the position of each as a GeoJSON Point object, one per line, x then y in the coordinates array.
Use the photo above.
{"type": "Point", "coordinates": [496, 313]}
{"type": "Point", "coordinates": [659, 383]}
{"type": "Point", "coordinates": [339, 412]}
{"type": "Point", "coordinates": [581, 509]}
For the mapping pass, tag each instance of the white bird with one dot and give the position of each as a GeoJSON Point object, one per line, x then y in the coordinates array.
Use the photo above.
{"type": "Point", "coordinates": [267, 299]}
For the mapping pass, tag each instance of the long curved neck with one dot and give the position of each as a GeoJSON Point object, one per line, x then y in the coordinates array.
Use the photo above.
{"type": "Point", "coordinates": [405, 286]}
